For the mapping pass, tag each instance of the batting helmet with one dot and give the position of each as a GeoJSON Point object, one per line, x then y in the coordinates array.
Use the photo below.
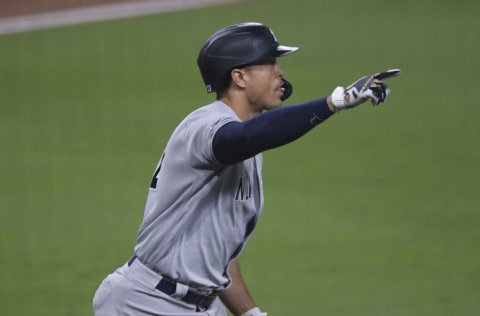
{"type": "Point", "coordinates": [235, 46]}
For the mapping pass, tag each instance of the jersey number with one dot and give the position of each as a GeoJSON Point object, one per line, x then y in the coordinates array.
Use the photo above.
{"type": "Point", "coordinates": [153, 184]}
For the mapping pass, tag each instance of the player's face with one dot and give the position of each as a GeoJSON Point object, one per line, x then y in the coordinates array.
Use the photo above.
{"type": "Point", "coordinates": [264, 85]}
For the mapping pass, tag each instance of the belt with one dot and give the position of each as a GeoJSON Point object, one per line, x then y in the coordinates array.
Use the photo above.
{"type": "Point", "coordinates": [201, 301]}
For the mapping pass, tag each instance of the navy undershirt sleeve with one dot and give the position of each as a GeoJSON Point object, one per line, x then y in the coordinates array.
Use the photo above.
{"type": "Point", "coordinates": [237, 141]}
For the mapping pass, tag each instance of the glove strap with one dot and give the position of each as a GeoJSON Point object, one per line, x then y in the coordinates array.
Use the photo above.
{"type": "Point", "coordinates": [338, 99]}
{"type": "Point", "coordinates": [254, 312]}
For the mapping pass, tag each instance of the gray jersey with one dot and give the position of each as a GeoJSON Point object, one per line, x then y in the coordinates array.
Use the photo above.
{"type": "Point", "coordinates": [199, 213]}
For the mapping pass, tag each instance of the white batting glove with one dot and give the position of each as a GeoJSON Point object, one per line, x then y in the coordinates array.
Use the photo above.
{"type": "Point", "coordinates": [368, 87]}
{"type": "Point", "coordinates": [254, 312]}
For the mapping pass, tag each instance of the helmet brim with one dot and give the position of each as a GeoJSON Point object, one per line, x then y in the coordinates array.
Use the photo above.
{"type": "Point", "coordinates": [283, 50]}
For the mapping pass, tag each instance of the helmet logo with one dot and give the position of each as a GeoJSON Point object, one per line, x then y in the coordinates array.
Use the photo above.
{"type": "Point", "coordinates": [209, 88]}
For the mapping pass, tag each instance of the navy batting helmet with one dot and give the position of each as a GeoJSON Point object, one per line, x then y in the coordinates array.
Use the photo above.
{"type": "Point", "coordinates": [235, 46]}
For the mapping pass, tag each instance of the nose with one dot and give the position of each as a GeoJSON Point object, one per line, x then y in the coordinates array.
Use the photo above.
{"type": "Point", "coordinates": [279, 70]}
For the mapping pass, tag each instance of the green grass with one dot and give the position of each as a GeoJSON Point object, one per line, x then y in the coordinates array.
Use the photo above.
{"type": "Point", "coordinates": [376, 212]}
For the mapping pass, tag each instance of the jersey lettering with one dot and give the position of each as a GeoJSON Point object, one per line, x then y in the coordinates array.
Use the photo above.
{"type": "Point", "coordinates": [244, 189]}
{"type": "Point", "coordinates": [153, 183]}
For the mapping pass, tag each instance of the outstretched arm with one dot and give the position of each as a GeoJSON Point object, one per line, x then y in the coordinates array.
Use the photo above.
{"type": "Point", "coordinates": [237, 141]}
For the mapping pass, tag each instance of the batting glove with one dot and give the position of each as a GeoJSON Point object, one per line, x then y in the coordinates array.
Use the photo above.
{"type": "Point", "coordinates": [254, 312]}
{"type": "Point", "coordinates": [368, 87]}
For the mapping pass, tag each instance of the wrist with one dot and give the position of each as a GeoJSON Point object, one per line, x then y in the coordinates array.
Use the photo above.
{"type": "Point", "coordinates": [330, 104]}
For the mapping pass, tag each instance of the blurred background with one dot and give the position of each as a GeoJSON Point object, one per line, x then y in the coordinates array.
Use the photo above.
{"type": "Point", "coordinates": [375, 212]}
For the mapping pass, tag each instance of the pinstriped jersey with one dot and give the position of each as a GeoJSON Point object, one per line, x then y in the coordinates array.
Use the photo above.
{"type": "Point", "coordinates": [199, 213]}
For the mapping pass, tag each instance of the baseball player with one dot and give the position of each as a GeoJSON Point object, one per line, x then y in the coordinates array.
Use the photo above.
{"type": "Point", "coordinates": [206, 195]}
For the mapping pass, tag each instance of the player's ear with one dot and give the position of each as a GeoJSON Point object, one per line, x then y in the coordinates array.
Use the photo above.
{"type": "Point", "coordinates": [238, 77]}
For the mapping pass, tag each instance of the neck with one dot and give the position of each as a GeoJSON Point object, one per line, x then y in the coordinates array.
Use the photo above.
{"type": "Point", "coordinates": [240, 105]}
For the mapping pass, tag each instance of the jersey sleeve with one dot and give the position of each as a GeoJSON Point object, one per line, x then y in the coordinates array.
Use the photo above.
{"type": "Point", "coordinates": [200, 130]}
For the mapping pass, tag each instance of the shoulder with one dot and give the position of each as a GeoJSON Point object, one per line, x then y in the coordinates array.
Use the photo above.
{"type": "Point", "coordinates": [211, 116]}
{"type": "Point", "coordinates": [214, 110]}
{"type": "Point", "coordinates": [197, 131]}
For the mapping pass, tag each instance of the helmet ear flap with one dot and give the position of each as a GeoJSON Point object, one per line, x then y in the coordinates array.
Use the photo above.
{"type": "Point", "coordinates": [288, 89]}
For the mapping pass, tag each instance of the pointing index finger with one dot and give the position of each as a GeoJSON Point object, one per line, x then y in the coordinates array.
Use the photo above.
{"type": "Point", "coordinates": [387, 74]}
